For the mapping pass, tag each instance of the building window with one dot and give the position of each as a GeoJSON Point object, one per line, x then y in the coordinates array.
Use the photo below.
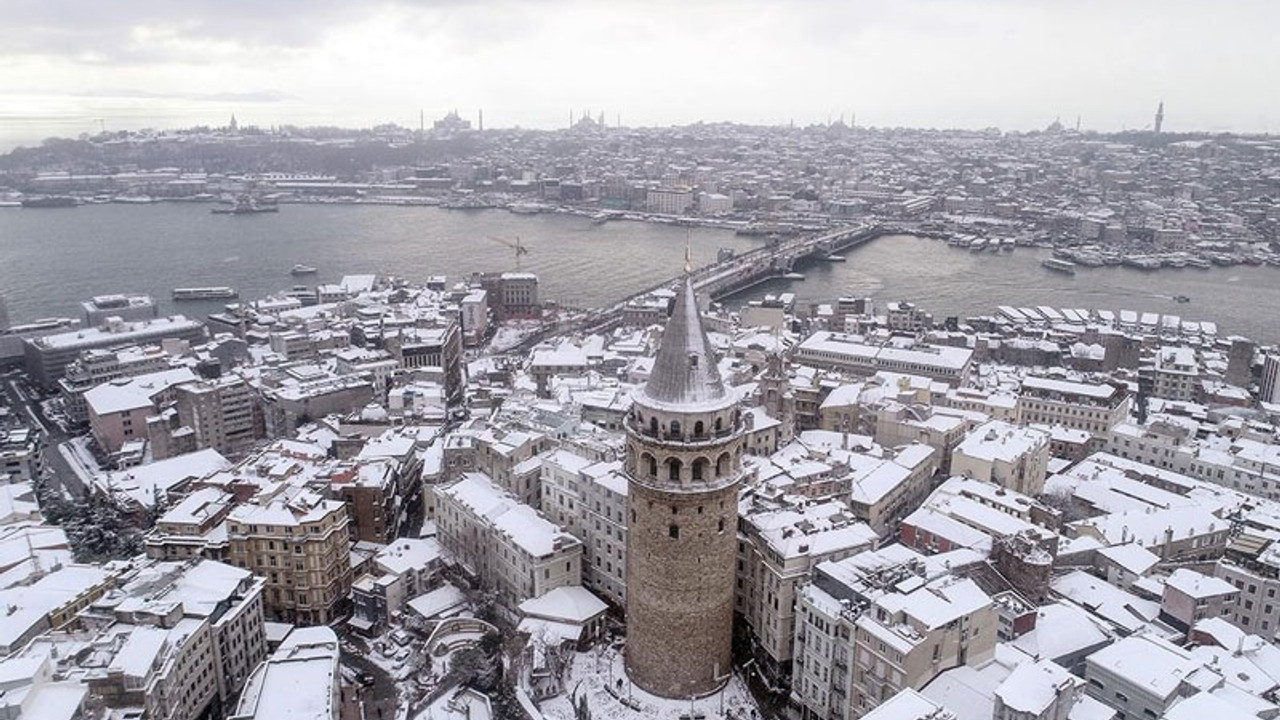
{"type": "Point", "coordinates": [674, 532]}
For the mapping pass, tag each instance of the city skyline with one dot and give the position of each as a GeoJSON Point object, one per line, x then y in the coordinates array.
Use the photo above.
{"type": "Point", "coordinates": [957, 65]}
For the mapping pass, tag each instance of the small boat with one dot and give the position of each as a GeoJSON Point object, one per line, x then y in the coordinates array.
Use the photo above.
{"type": "Point", "coordinates": [1181, 299]}
{"type": "Point", "coordinates": [794, 276]}
{"type": "Point", "coordinates": [1059, 265]}
{"type": "Point", "coordinates": [204, 293]}
{"type": "Point", "coordinates": [301, 269]}
{"type": "Point", "coordinates": [50, 201]}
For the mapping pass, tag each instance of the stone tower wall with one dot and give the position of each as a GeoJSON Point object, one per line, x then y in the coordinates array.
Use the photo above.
{"type": "Point", "coordinates": [680, 589]}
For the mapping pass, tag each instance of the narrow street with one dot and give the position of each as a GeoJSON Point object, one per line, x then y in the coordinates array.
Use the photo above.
{"type": "Point", "coordinates": [380, 700]}
{"type": "Point", "coordinates": [58, 470]}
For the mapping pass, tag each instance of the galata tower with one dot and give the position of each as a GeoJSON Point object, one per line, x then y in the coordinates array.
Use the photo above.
{"type": "Point", "coordinates": [684, 464]}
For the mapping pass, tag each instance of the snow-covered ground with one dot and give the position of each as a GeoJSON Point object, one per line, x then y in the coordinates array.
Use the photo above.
{"type": "Point", "coordinates": [77, 454]}
{"type": "Point", "coordinates": [511, 333]}
{"type": "Point", "coordinates": [593, 671]}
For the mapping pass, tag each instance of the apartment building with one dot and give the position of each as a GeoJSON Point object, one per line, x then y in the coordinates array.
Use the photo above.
{"type": "Point", "coordinates": [48, 356]}
{"type": "Point", "coordinates": [1252, 564]}
{"type": "Point", "coordinates": [839, 351]}
{"type": "Point", "coordinates": [118, 409]}
{"type": "Point", "coordinates": [1090, 407]}
{"type": "Point", "coordinates": [308, 658]}
{"type": "Point", "coordinates": [883, 621]}
{"type": "Point", "coordinates": [298, 542]}
{"type": "Point", "coordinates": [1143, 676]}
{"type": "Point", "coordinates": [192, 528]}
{"type": "Point", "coordinates": [778, 546]}
{"type": "Point", "coordinates": [1013, 457]}
{"type": "Point", "coordinates": [507, 545]}
{"type": "Point", "coordinates": [1175, 374]}
{"type": "Point", "coordinates": [589, 500]}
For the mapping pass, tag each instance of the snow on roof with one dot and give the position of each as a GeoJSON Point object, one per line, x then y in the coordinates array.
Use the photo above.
{"type": "Point", "coordinates": [122, 334]}
{"type": "Point", "coordinates": [1087, 708]}
{"type": "Point", "coordinates": [569, 603]}
{"type": "Point", "coordinates": [1149, 527]}
{"type": "Point", "coordinates": [1067, 387]}
{"type": "Point", "coordinates": [1147, 662]}
{"type": "Point", "coordinates": [967, 691]}
{"type": "Point", "coordinates": [938, 603]}
{"type": "Point", "coordinates": [1197, 585]}
{"type": "Point", "coordinates": [550, 630]}
{"type": "Point", "coordinates": [440, 601]}
{"type": "Point", "coordinates": [609, 476]}
{"type": "Point", "coordinates": [134, 393]}
{"type": "Point", "coordinates": [307, 659]}
{"type": "Point", "coordinates": [522, 524]}
{"type": "Point", "coordinates": [197, 507]}
{"type": "Point", "coordinates": [998, 440]}
{"type": "Point", "coordinates": [1131, 557]}
{"type": "Point", "coordinates": [1206, 705]}
{"type": "Point", "coordinates": [1062, 629]}
{"type": "Point", "coordinates": [1109, 602]}
{"type": "Point", "coordinates": [941, 525]}
{"type": "Point", "coordinates": [203, 587]}
{"type": "Point", "coordinates": [291, 507]}
{"type": "Point", "coordinates": [144, 483]}
{"type": "Point", "coordinates": [1033, 687]}
{"type": "Point", "coordinates": [909, 705]}
{"type": "Point", "coordinates": [406, 554]}
{"type": "Point", "coordinates": [142, 645]}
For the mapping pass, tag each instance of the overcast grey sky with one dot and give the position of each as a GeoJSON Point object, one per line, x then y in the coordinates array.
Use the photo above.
{"type": "Point", "coordinates": [1015, 64]}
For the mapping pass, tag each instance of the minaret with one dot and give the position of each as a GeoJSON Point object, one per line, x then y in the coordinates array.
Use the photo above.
{"type": "Point", "coordinates": [1159, 116]}
{"type": "Point", "coordinates": [684, 465]}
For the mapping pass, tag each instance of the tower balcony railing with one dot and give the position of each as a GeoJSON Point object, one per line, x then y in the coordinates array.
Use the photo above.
{"type": "Point", "coordinates": [682, 437]}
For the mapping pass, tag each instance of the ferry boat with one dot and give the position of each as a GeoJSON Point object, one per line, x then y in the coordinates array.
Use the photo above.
{"type": "Point", "coordinates": [50, 201]}
{"type": "Point", "coordinates": [204, 293]}
{"type": "Point", "coordinates": [1059, 265]}
{"type": "Point", "coordinates": [526, 208]}
{"type": "Point", "coordinates": [301, 269]}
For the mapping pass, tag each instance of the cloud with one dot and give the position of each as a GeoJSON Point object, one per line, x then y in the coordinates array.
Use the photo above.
{"type": "Point", "coordinates": [252, 96]}
{"type": "Point", "coordinates": [943, 63]}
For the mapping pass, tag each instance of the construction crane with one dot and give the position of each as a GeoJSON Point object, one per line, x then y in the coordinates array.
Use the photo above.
{"type": "Point", "coordinates": [513, 244]}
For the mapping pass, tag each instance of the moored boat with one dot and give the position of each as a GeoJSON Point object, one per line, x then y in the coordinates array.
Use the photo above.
{"type": "Point", "coordinates": [1059, 265]}
{"type": "Point", "coordinates": [204, 293]}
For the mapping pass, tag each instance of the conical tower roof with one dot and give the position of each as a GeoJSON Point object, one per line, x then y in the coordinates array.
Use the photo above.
{"type": "Point", "coordinates": [685, 376]}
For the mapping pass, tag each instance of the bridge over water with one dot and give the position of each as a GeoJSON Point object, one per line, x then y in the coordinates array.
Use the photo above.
{"type": "Point", "coordinates": [724, 278]}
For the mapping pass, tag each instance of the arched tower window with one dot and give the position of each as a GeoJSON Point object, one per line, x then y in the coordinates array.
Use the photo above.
{"type": "Point", "coordinates": [650, 464]}
{"type": "Point", "coordinates": [719, 424]}
{"type": "Point", "coordinates": [699, 429]}
{"type": "Point", "coordinates": [653, 426]}
{"type": "Point", "coordinates": [675, 428]}
{"type": "Point", "coordinates": [673, 470]}
{"type": "Point", "coordinates": [700, 468]}
{"type": "Point", "coordinates": [722, 465]}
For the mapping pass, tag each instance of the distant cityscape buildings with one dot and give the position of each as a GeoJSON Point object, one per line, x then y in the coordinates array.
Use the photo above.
{"type": "Point", "coordinates": [458, 497]}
